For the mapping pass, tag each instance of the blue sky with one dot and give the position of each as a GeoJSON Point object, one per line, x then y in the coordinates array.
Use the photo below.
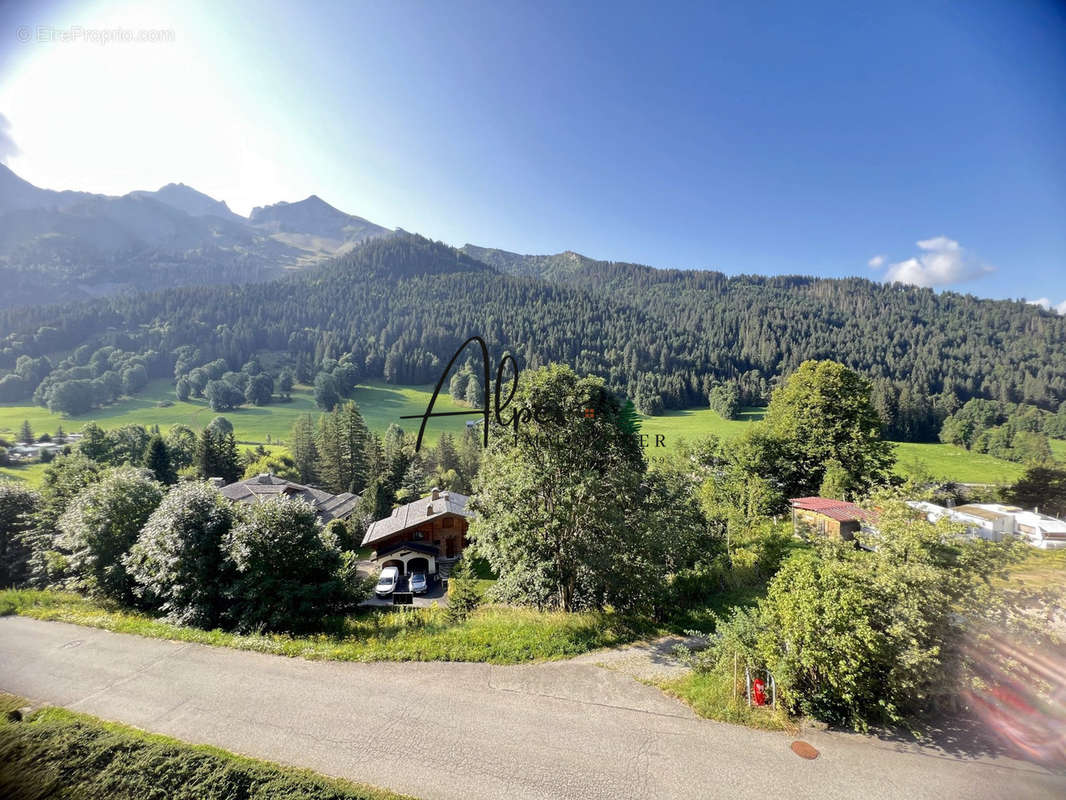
{"type": "Point", "coordinates": [926, 138]}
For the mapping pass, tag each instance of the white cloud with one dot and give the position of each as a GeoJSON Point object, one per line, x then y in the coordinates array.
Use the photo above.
{"type": "Point", "coordinates": [1045, 303]}
{"type": "Point", "coordinates": [942, 262]}
{"type": "Point", "coordinates": [877, 262]}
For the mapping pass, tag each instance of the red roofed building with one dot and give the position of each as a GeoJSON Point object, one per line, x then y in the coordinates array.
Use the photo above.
{"type": "Point", "coordinates": [828, 516]}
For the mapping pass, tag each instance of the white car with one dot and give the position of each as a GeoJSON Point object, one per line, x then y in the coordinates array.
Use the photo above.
{"type": "Point", "coordinates": [387, 581]}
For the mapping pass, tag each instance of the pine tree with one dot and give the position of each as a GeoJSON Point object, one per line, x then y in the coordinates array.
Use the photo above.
{"type": "Point", "coordinates": [464, 596]}
{"type": "Point", "coordinates": [157, 459]}
{"type": "Point", "coordinates": [342, 447]}
{"type": "Point", "coordinates": [26, 432]}
{"type": "Point", "coordinates": [303, 449]}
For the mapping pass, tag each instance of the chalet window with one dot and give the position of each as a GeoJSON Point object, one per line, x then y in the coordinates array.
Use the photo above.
{"type": "Point", "coordinates": [447, 522]}
{"type": "Point", "coordinates": [419, 535]}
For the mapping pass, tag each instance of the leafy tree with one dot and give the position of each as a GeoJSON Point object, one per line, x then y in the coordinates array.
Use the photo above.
{"type": "Point", "coordinates": [286, 576]}
{"type": "Point", "coordinates": [18, 504]}
{"type": "Point", "coordinates": [63, 479]}
{"type": "Point", "coordinates": [157, 460]}
{"type": "Point", "coordinates": [134, 379]}
{"type": "Point", "coordinates": [183, 389]}
{"type": "Point", "coordinates": [464, 595]}
{"type": "Point", "coordinates": [178, 562]}
{"type": "Point", "coordinates": [327, 391]}
{"type": "Point", "coordinates": [823, 412]}
{"type": "Point", "coordinates": [14, 389]}
{"type": "Point", "coordinates": [222, 395]}
{"type": "Point", "coordinates": [221, 425]}
{"type": "Point", "coordinates": [181, 446]}
{"type": "Point", "coordinates": [100, 526]}
{"type": "Point", "coordinates": [259, 390]}
{"type": "Point", "coordinates": [1040, 487]}
{"type": "Point", "coordinates": [94, 443]}
{"type": "Point", "coordinates": [558, 504]}
{"type": "Point", "coordinates": [347, 375]}
{"type": "Point", "coordinates": [71, 397]}
{"type": "Point", "coordinates": [280, 465]}
{"type": "Point", "coordinates": [126, 444]}
{"type": "Point", "coordinates": [835, 481]}
{"type": "Point", "coordinates": [474, 395]}
{"type": "Point", "coordinates": [286, 381]}
{"type": "Point", "coordinates": [725, 399]}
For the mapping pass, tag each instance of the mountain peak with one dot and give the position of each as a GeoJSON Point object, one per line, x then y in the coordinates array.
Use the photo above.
{"type": "Point", "coordinates": [316, 217]}
{"type": "Point", "coordinates": [192, 202]}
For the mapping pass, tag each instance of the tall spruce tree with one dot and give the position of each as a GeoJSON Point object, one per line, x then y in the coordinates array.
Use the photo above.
{"type": "Point", "coordinates": [342, 449]}
{"type": "Point", "coordinates": [157, 459]}
{"type": "Point", "coordinates": [303, 448]}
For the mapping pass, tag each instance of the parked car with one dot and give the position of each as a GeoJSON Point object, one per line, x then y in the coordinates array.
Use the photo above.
{"type": "Point", "coordinates": [419, 584]}
{"type": "Point", "coordinates": [387, 581]}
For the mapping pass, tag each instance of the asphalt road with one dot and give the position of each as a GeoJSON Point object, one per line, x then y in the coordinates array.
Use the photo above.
{"type": "Point", "coordinates": [556, 730]}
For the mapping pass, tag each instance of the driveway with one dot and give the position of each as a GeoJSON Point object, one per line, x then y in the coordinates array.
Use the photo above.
{"type": "Point", "coordinates": [440, 730]}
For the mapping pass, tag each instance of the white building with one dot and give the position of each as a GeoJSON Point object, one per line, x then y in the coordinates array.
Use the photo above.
{"type": "Point", "coordinates": [993, 521]}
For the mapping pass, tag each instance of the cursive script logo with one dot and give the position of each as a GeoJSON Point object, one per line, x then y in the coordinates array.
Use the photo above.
{"type": "Point", "coordinates": [514, 421]}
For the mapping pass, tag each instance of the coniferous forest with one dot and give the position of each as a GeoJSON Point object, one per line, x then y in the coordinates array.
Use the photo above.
{"type": "Point", "coordinates": [400, 305]}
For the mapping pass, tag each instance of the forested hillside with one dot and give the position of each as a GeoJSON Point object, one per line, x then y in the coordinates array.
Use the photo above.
{"type": "Point", "coordinates": [666, 338]}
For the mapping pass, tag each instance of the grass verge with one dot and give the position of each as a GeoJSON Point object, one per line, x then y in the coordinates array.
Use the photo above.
{"type": "Point", "coordinates": [493, 634]}
{"type": "Point", "coordinates": [56, 753]}
{"type": "Point", "coordinates": [710, 694]}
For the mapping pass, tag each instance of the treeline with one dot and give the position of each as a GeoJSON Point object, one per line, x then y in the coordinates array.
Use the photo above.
{"type": "Point", "coordinates": [339, 453]}
{"type": "Point", "coordinates": [397, 308]}
{"type": "Point", "coordinates": [1016, 432]}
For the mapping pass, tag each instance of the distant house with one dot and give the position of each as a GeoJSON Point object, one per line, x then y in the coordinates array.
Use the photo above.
{"type": "Point", "coordinates": [994, 521]}
{"type": "Point", "coordinates": [423, 536]}
{"type": "Point", "coordinates": [265, 485]}
{"type": "Point", "coordinates": [829, 517]}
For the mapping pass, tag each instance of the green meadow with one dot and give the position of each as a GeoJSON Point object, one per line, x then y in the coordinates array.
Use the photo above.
{"type": "Point", "coordinates": [383, 404]}
{"type": "Point", "coordinates": [380, 404]}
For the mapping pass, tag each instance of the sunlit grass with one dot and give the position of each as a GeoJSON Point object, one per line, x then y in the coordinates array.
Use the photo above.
{"type": "Point", "coordinates": [56, 753]}
{"type": "Point", "coordinates": [711, 695]}
{"type": "Point", "coordinates": [495, 634]}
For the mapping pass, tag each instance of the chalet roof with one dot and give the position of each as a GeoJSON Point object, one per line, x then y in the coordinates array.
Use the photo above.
{"type": "Point", "coordinates": [264, 486]}
{"type": "Point", "coordinates": [838, 510]}
{"type": "Point", "coordinates": [415, 513]}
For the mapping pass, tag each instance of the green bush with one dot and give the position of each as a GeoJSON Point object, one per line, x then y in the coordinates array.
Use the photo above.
{"type": "Point", "coordinates": [285, 574]}
{"type": "Point", "coordinates": [868, 636]}
{"type": "Point", "coordinates": [17, 505]}
{"type": "Point", "coordinates": [177, 563]}
{"type": "Point", "coordinates": [100, 526]}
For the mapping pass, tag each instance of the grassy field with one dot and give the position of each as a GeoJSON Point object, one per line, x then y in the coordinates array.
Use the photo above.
{"type": "Point", "coordinates": [54, 753]}
{"type": "Point", "coordinates": [380, 404]}
{"type": "Point", "coordinates": [383, 404]}
{"type": "Point", "coordinates": [494, 634]}
{"type": "Point", "coordinates": [954, 463]}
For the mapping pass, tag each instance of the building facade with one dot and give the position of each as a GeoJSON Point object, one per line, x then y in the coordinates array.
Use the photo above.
{"type": "Point", "coordinates": [423, 535]}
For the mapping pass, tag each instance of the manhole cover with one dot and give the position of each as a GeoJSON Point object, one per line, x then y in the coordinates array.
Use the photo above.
{"type": "Point", "coordinates": [804, 750]}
